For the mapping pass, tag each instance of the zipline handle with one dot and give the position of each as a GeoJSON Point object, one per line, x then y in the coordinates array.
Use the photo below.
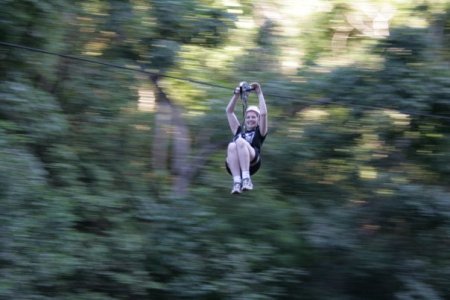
{"type": "Point", "coordinates": [244, 90]}
{"type": "Point", "coordinates": [244, 87]}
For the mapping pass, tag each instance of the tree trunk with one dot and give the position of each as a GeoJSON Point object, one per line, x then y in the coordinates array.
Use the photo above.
{"type": "Point", "coordinates": [172, 133]}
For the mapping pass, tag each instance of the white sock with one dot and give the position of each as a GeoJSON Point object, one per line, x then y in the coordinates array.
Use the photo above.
{"type": "Point", "coordinates": [245, 174]}
{"type": "Point", "coordinates": [237, 179]}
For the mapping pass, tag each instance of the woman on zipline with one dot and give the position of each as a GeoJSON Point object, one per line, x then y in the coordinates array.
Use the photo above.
{"type": "Point", "coordinates": [244, 151]}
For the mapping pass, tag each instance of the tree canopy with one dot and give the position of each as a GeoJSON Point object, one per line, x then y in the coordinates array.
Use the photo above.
{"type": "Point", "coordinates": [113, 138]}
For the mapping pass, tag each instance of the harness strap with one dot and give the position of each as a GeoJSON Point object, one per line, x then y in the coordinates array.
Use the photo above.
{"type": "Point", "coordinates": [243, 92]}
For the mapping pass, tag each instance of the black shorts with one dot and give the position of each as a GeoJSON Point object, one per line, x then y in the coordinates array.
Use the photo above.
{"type": "Point", "coordinates": [255, 164]}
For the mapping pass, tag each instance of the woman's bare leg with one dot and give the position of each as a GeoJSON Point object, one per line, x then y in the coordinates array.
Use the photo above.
{"type": "Point", "coordinates": [233, 160]}
{"type": "Point", "coordinates": [233, 164]}
{"type": "Point", "coordinates": [245, 153]}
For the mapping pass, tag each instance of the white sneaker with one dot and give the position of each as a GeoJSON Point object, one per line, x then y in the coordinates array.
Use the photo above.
{"type": "Point", "coordinates": [247, 184]}
{"type": "Point", "coordinates": [236, 188]}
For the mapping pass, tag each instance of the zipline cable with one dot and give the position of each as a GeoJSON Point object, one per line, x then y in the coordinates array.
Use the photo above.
{"type": "Point", "coordinates": [213, 85]}
{"type": "Point", "coordinates": [107, 64]}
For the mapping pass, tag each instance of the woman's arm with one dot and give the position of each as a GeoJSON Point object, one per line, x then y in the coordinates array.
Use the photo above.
{"type": "Point", "coordinates": [263, 124]}
{"type": "Point", "coordinates": [231, 116]}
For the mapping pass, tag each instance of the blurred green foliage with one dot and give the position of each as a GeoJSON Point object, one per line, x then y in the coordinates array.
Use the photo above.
{"type": "Point", "coordinates": [112, 182]}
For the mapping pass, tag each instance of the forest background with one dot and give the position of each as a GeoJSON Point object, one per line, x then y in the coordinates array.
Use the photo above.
{"type": "Point", "coordinates": [112, 178]}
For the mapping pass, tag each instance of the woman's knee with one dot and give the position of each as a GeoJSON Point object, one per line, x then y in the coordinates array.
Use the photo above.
{"type": "Point", "coordinates": [241, 143]}
{"type": "Point", "coordinates": [244, 146]}
{"type": "Point", "coordinates": [232, 148]}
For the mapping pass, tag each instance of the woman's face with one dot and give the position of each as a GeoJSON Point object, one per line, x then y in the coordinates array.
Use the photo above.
{"type": "Point", "coordinates": [251, 119]}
